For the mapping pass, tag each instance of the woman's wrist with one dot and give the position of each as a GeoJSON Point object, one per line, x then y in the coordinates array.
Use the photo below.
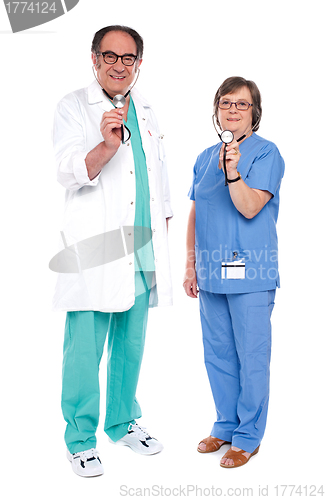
{"type": "Point", "coordinates": [190, 271]}
{"type": "Point", "coordinates": [231, 181]}
{"type": "Point", "coordinates": [232, 174]}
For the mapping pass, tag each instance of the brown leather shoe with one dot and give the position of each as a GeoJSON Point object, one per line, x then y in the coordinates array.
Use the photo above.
{"type": "Point", "coordinates": [212, 444]}
{"type": "Point", "coordinates": [238, 458]}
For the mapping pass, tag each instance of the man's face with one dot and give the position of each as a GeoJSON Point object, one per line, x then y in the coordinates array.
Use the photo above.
{"type": "Point", "coordinates": [116, 78]}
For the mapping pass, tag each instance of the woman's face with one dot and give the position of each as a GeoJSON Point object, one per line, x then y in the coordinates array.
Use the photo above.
{"type": "Point", "coordinates": [239, 122]}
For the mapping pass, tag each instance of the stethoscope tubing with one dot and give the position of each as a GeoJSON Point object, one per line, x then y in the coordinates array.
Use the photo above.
{"type": "Point", "coordinates": [224, 165]}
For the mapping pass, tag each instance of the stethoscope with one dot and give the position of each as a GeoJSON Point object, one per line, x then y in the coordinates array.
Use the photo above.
{"type": "Point", "coordinates": [227, 137]}
{"type": "Point", "coordinates": [118, 102]}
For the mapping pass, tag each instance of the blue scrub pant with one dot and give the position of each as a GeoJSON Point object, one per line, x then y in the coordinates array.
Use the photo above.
{"type": "Point", "coordinates": [85, 335]}
{"type": "Point", "coordinates": [237, 349]}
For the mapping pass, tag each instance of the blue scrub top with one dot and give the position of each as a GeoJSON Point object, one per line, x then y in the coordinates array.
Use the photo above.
{"type": "Point", "coordinates": [223, 233]}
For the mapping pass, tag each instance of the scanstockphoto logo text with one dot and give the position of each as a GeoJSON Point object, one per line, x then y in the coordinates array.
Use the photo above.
{"type": "Point", "coordinates": [189, 490]}
{"type": "Point", "coordinates": [26, 15]}
{"type": "Point", "coordinates": [260, 491]}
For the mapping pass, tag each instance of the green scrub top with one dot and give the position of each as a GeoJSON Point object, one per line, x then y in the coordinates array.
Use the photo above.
{"type": "Point", "coordinates": [144, 254]}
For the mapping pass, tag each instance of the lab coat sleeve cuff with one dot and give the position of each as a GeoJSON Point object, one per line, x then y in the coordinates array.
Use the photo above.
{"type": "Point", "coordinates": [168, 210]}
{"type": "Point", "coordinates": [80, 170]}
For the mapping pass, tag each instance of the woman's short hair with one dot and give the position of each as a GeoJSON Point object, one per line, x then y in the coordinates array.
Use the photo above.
{"type": "Point", "coordinates": [229, 86]}
{"type": "Point", "coordinates": [99, 35]}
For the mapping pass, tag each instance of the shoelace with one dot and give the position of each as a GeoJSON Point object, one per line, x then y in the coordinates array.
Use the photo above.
{"type": "Point", "coordinates": [86, 455]}
{"type": "Point", "coordinates": [139, 431]}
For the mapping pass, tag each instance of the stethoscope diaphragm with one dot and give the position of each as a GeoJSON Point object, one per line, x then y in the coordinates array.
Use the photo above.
{"type": "Point", "coordinates": [119, 101]}
{"type": "Point", "coordinates": [226, 136]}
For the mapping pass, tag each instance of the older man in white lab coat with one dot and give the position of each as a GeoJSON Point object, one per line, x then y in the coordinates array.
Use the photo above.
{"type": "Point", "coordinates": [114, 262]}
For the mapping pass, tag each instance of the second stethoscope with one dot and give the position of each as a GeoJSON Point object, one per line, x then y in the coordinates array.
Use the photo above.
{"type": "Point", "coordinates": [227, 137]}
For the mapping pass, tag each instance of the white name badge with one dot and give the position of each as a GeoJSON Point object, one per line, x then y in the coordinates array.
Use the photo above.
{"type": "Point", "coordinates": [234, 270]}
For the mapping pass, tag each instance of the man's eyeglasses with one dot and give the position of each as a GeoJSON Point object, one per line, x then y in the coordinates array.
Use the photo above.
{"type": "Point", "coordinates": [240, 105]}
{"type": "Point", "coordinates": [111, 58]}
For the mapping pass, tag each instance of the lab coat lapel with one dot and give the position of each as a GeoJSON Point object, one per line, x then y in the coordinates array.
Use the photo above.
{"type": "Point", "coordinates": [96, 96]}
{"type": "Point", "coordinates": [142, 115]}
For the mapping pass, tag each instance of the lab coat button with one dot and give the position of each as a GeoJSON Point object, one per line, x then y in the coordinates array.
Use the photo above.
{"type": "Point", "coordinates": [131, 171]}
{"type": "Point", "coordinates": [132, 203]}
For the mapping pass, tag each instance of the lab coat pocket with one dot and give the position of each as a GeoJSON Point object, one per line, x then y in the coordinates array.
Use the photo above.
{"type": "Point", "coordinates": [157, 144]}
{"type": "Point", "coordinates": [84, 216]}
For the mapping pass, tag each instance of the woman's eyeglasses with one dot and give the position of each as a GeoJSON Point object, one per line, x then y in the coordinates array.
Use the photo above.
{"type": "Point", "coordinates": [240, 105]}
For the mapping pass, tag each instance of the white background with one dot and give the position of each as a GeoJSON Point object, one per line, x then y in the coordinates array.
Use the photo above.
{"type": "Point", "coordinates": [190, 48]}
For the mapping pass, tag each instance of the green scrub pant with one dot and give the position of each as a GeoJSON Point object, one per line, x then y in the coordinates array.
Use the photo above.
{"type": "Point", "coordinates": [85, 335]}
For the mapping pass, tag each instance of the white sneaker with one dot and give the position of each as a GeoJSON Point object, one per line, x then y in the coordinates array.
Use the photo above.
{"type": "Point", "coordinates": [139, 441]}
{"type": "Point", "coordinates": [86, 463]}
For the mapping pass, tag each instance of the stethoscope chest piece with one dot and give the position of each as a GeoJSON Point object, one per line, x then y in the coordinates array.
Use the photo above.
{"type": "Point", "coordinates": [119, 101]}
{"type": "Point", "coordinates": [227, 136]}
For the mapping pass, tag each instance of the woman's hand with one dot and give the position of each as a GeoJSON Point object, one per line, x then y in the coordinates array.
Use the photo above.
{"type": "Point", "coordinates": [190, 283]}
{"type": "Point", "coordinates": [232, 159]}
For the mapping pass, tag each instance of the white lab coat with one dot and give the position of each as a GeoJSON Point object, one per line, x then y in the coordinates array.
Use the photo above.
{"type": "Point", "coordinates": [107, 203]}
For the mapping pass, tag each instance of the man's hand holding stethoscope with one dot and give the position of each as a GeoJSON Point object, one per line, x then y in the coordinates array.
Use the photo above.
{"type": "Point", "coordinates": [110, 128]}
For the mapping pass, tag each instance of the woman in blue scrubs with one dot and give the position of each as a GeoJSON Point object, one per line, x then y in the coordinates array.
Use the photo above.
{"type": "Point", "coordinates": [232, 260]}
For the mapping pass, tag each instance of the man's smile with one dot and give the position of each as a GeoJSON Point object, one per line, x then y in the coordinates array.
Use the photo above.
{"type": "Point", "coordinates": [117, 77]}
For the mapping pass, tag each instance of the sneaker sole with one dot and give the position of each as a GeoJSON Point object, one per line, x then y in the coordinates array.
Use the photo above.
{"type": "Point", "coordinates": [136, 450]}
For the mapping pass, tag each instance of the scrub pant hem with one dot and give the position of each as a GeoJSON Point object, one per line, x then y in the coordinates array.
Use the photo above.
{"type": "Point", "coordinates": [78, 448]}
{"type": "Point", "coordinates": [119, 431]}
{"type": "Point", "coordinates": [248, 445]}
{"type": "Point", "coordinates": [222, 435]}
{"type": "Point", "coordinates": [245, 444]}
